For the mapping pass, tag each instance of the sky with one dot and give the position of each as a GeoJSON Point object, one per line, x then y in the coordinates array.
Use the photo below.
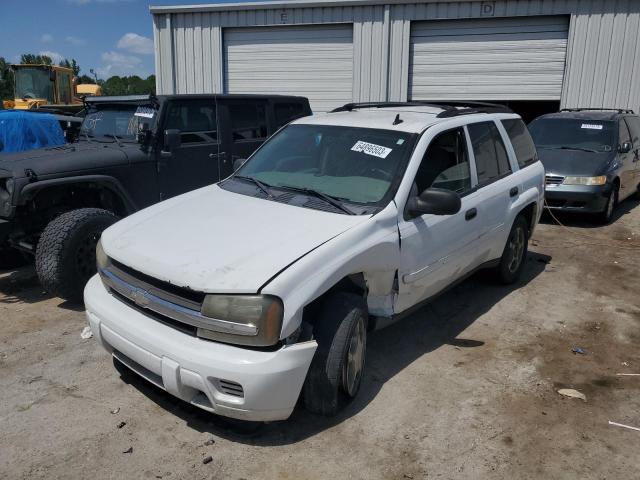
{"type": "Point", "coordinates": [114, 37]}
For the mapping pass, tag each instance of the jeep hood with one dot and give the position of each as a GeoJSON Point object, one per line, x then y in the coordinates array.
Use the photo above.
{"type": "Point", "coordinates": [574, 162]}
{"type": "Point", "coordinates": [212, 240]}
{"type": "Point", "coordinates": [66, 158]}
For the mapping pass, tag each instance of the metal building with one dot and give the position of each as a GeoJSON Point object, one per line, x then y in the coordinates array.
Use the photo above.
{"type": "Point", "coordinates": [554, 53]}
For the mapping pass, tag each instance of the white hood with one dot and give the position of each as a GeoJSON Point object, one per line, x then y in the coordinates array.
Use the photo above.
{"type": "Point", "coordinates": [212, 240]}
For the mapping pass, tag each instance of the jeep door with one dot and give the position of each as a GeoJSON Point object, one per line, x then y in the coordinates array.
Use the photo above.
{"type": "Point", "coordinates": [626, 169]}
{"type": "Point", "coordinates": [244, 129]}
{"type": "Point", "coordinates": [194, 163]}
{"type": "Point", "coordinates": [438, 249]}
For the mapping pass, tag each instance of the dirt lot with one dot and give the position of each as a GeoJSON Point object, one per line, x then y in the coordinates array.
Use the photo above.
{"type": "Point", "coordinates": [464, 388]}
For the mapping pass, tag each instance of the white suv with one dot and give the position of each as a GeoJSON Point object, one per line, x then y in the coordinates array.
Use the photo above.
{"type": "Point", "coordinates": [239, 296]}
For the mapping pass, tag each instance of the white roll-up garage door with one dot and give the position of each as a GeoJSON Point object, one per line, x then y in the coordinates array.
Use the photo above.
{"type": "Point", "coordinates": [312, 61]}
{"type": "Point", "coordinates": [488, 59]}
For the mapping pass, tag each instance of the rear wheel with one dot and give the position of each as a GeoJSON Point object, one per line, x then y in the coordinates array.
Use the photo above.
{"type": "Point", "coordinates": [335, 374]}
{"type": "Point", "coordinates": [515, 252]}
{"type": "Point", "coordinates": [66, 252]}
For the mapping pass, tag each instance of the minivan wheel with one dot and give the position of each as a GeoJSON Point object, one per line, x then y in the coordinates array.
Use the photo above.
{"type": "Point", "coordinates": [335, 374]}
{"type": "Point", "coordinates": [66, 252]}
{"type": "Point", "coordinates": [515, 252]}
{"type": "Point", "coordinates": [606, 215]}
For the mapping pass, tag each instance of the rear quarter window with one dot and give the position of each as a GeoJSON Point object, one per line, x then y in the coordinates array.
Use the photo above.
{"type": "Point", "coordinates": [521, 140]}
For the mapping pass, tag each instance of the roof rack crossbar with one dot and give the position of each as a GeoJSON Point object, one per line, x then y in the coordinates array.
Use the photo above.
{"type": "Point", "coordinates": [449, 108]}
{"type": "Point", "coordinates": [598, 109]}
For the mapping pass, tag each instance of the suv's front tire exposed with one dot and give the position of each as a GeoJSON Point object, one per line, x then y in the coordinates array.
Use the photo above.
{"type": "Point", "coordinates": [337, 368]}
{"type": "Point", "coordinates": [66, 252]}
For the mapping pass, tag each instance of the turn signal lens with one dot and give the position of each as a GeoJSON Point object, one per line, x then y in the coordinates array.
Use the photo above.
{"type": "Point", "coordinates": [600, 180]}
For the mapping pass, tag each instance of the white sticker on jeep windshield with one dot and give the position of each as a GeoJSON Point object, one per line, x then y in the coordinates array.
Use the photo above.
{"type": "Point", "coordinates": [371, 149]}
{"type": "Point", "coordinates": [592, 126]}
{"type": "Point", "coordinates": [146, 112]}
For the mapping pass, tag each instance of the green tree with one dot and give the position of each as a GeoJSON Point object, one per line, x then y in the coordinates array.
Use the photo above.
{"type": "Point", "coordinates": [133, 85]}
{"type": "Point", "coordinates": [73, 65]}
{"type": "Point", "coordinates": [32, 59]}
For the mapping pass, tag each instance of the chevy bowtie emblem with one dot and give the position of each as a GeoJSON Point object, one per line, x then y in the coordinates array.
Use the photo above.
{"type": "Point", "coordinates": [140, 298]}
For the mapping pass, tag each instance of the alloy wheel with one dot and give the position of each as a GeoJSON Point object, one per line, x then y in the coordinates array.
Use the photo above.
{"type": "Point", "coordinates": [354, 363]}
{"type": "Point", "coordinates": [517, 241]}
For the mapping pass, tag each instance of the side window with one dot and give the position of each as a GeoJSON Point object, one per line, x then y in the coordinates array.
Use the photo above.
{"type": "Point", "coordinates": [624, 135]}
{"type": "Point", "coordinates": [64, 88]}
{"type": "Point", "coordinates": [286, 112]}
{"type": "Point", "coordinates": [634, 127]}
{"type": "Point", "coordinates": [521, 141]}
{"type": "Point", "coordinates": [445, 164]}
{"type": "Point", "coordinates": [195, 119]}
{"type": "Point", "coordinates": [491, 156]}
{"type": "Point", "coordinates": [248, 121]}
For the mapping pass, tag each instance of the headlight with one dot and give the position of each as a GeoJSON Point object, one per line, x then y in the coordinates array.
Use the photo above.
{"type": "Point", "coordinates": [601, 180]}
{"type": "Point", "coordinates": [253, 320]}
{"type": "Point", "coordinates": [102, 260]}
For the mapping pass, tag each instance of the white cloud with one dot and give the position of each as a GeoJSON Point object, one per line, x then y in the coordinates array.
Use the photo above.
{"type": "Point", "coordinates": [75, 40]}
{"type": "Point", "coordinates": [55, 56]}
{"type": "Point", "coordinates": [46, 38]}
{"type": "Point", "coordinates": [135, 43]}
{"type": "Point", "coordinates": [115, 63]}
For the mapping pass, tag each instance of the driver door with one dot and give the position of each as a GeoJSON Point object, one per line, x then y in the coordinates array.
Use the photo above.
{"type": "Point", "coordinates": [438, 249]}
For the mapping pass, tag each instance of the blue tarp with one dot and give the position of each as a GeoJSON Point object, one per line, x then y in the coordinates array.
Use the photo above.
{"type": "Point", "coordinates": [20, 131]}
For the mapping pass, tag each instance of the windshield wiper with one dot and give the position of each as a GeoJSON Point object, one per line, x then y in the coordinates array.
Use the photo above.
{"type": "Point", "coordinates": [564, 147]}
{"type": "Point", "coordinates": [323, 196]}
{"type": "Point", "coordinates": [262, 186]}
{"type": "Point", "coordinates": [115, 137]}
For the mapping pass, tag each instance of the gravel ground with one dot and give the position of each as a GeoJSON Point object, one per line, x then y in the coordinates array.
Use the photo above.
{"type": "Point", "coordinates": [464, 388]}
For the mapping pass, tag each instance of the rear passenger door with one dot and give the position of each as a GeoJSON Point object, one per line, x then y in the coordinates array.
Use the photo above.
{"type": "Point", "coordinates": [195, 163]}
{"type": "Point", "coordinates": [244, 129]}
{"type": "Point", "coordinates": [497, 187]}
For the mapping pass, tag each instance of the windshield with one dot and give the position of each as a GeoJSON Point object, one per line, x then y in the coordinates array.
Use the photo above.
{"type": "Point", "coordinates": [353, 164]}
{"type": "Point", "coordinates": [118, 120]}
{"type": "Point", "coordinates": [33, 83]}
{"type": "Point", "coordinates": [552, 133]}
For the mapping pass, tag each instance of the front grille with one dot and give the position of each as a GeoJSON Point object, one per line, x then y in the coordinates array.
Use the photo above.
{"type": "Point", "coordinates": [231, 388]}
{"type": "Point", "coordinates": [553, 179]}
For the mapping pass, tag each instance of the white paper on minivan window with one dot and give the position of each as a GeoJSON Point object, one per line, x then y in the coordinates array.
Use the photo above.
{"type": "Point", "coordinates": [371, 149]}
{"type": "Point", "coordinates": [591, 126]}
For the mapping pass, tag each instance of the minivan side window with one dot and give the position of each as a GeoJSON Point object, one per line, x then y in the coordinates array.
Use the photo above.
{"type": "Point", "coordinates": [491, 156]}
{"type": "Point", "coordinates": [634, 128]}
{"type": "Point", "coordinates": [248, 121]}
{"type": "Point", "coordinates": [195, 120]}
{"type": "Point", "coordinates": [521, 141]}
{"type": "Point", "coordinates": [286, 112]}
{"type": "Point", "coordinates": [624, 135]}
{"type": "Point", "coordinates": [445, 164]}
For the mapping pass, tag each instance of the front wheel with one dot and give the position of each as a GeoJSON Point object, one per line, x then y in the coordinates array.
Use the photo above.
{"type": "Point", "coordinates": [66, 252]}
{"type": "Point", "coordinates": [337, 368]}
{"type": "Point", "coordinates": [515, 252]}
{"type": "Point", "coordinates": [606, 215]}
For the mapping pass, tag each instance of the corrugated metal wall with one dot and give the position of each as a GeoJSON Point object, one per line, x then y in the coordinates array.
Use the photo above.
{"type": "Point", "coordinates": [603, 58]}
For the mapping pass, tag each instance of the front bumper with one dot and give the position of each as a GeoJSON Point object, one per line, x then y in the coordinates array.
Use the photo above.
{"type": "Point", "coordinates": [577, 198]}
{"type": "Point", "coordinates": [198, 371]}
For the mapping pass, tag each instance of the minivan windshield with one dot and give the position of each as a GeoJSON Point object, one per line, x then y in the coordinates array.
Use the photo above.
{"type": "Point", "coordinates": [114, 120]}
{"type": "Point", "coordinates": [572, 133]}
{"type": "Point", "coordinates": [350, 164]}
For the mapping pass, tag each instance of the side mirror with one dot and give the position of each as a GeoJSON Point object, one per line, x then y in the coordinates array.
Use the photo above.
{"type": "Point", "coordinates": [171, 139]}
{"type": "Point", "coordinates": [435, 201]}
{"type": "Point", "coordinates": [624, 148]}
{"type": "Point", "coordinates": [238, 162]}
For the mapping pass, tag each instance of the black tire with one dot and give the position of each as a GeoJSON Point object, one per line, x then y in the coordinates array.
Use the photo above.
{"type": "Point", "coordinates": [11, 258]}
{"type": "Point", "coordinates": [606, 215]}
{"type": "Point", "coordinates": [66, 256]}
{"type": "Point", "coordinates": [515, 252]}
{"type": "Point", "coordinates": [340, 317]}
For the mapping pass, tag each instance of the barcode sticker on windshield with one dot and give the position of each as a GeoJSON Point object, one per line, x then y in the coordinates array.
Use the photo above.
{"type": "Point", "coordinates": [371, 149]}
{"type": "Point", "coordinates": [146, 112]}
{"type": "Point", "coordinates": [592, 126]}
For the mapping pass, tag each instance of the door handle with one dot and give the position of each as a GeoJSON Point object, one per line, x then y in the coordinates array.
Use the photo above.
{"type": "Point", "coordinates": [513, 192]}
{"type": "Point", "coordinates": [471, 213]}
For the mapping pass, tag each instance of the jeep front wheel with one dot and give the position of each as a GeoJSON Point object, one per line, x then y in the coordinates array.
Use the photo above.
{"type": "Point", "coordinates": [66, 252]}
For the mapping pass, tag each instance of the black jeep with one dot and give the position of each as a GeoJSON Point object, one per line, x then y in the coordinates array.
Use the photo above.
{"type": "Point", "coordinates": [132, 152]}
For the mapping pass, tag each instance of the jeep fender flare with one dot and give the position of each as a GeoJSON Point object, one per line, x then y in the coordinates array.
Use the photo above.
{"type": "Point", "coordinates": [108, 182]}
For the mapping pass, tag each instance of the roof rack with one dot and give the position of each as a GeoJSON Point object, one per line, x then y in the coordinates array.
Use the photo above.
{"type": "Point", "coordinates": [450, 108]}
{"type": "Point", "coordinates": [586, 109]}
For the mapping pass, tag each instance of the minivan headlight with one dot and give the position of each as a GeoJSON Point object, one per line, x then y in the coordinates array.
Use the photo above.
{"type": "Point", "coordinates": [253, 320]}
{"type": "Point", "coordinates": [600, 180]}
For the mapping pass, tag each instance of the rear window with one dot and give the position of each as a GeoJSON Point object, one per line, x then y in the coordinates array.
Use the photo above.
{"type": "Point", "coordinates": [574, 134]}
{"type": "Point", "coordinates": [490, 153]}
{"type": "Point", "coordinates": [286, 112]}
{"type": "Point", "coordinates": [248, 121]}
{"type": "Point", "coordinates": [521, 141]}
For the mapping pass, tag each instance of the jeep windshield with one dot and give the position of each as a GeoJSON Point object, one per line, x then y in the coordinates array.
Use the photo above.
{"type": "Point", "coordinates": [346, 164]}
{"type": "Point", "coordinates": [113, 122]}
{"type": "Point", "coordinates": [573, 134]}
